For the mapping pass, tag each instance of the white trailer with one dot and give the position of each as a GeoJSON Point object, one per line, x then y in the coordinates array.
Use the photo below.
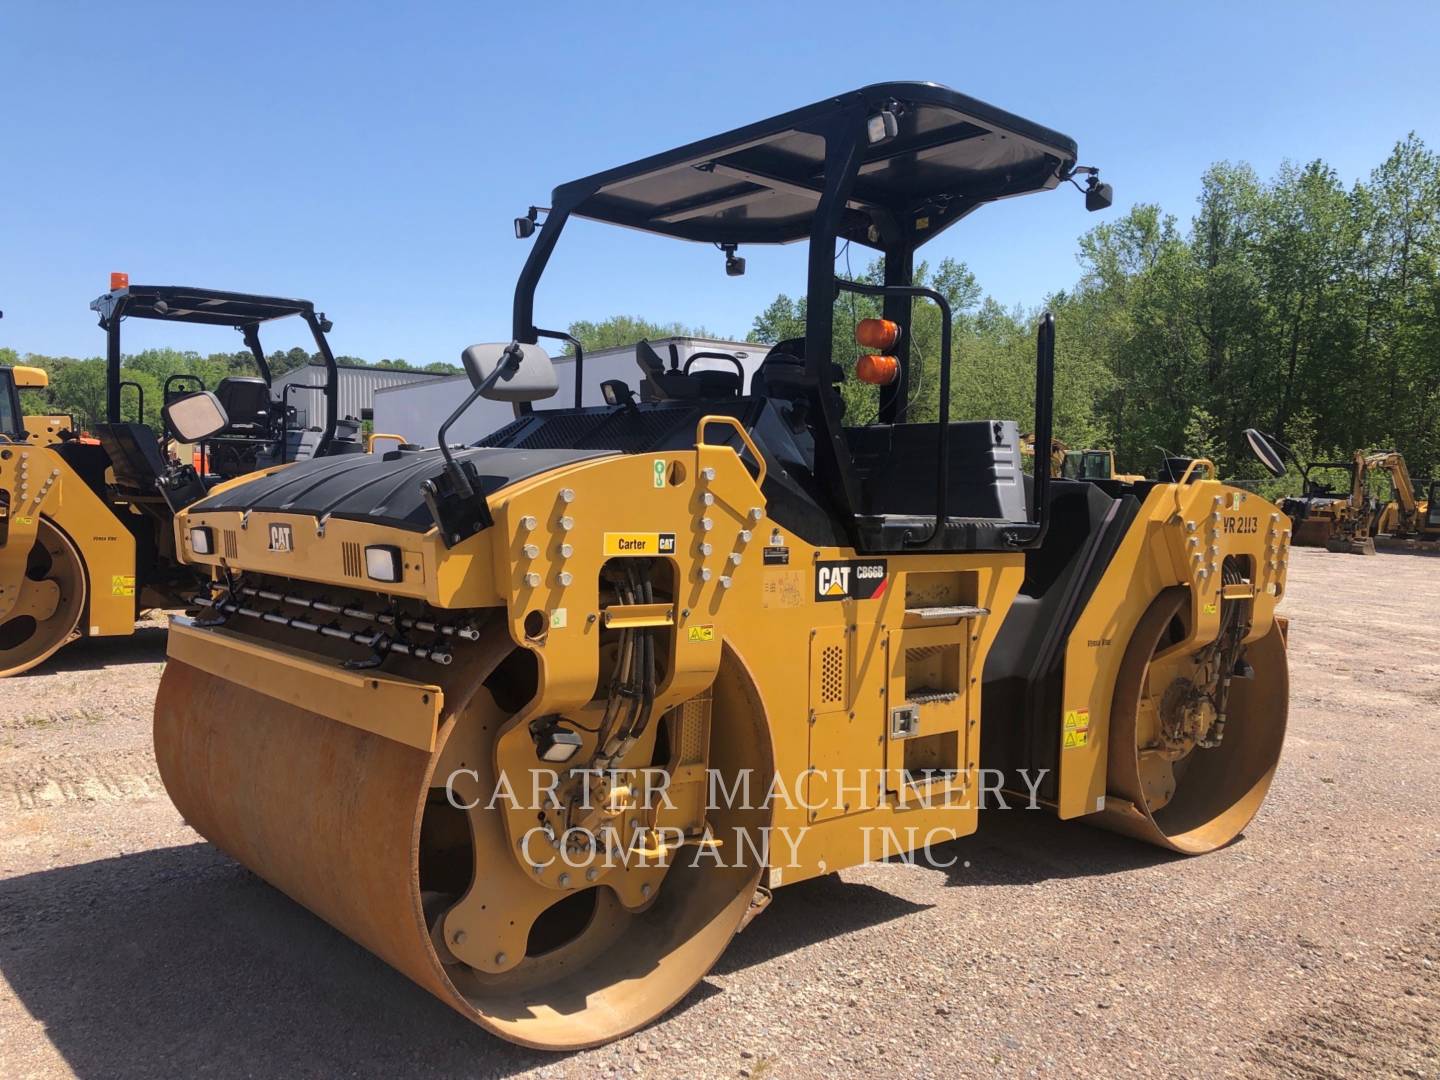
{"type": "Point", "coordinates": [416, 411]}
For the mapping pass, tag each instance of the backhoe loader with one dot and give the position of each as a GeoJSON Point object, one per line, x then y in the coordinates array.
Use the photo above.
{"type": "Point", "coordinates": [545, 720]}
{"type": "Point", "coordinates": [87, 525]}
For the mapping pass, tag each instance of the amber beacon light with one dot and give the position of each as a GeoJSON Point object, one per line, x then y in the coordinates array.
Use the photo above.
{"type": "Point", "coordinates": [877, 370]}
{"type": "Point", "coordinates": [878, 334]}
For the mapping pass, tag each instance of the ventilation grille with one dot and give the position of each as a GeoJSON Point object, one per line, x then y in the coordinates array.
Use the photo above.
{"type": "Point", "coordinates": [350, 559]}
{"type": "Point", "coordinates": [502, 436]}
{"type": "Point", "coordinates": [560, 432]}
{"type": "Point", "coordinates": [832, 675]}
{"type": "Point", "coordinates": [607, 429]}
{"type": "Point", "coordinates": [693, 733]}
{"type": "Point", "coordinates": [232, 546]}
{"type": "Point", "coordinates": [635, 433]}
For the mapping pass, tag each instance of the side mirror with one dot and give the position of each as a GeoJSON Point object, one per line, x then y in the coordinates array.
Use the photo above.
{"type": "Point", "coordinates": [195, 417]}
{"type": "Point", "coordinates": [511, 371]}
{"type": "Point", "coordinates": [1264, 449]}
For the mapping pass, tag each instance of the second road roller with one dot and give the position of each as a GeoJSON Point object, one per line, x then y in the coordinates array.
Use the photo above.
{"type": "Point", "coordinates": [544, 721]}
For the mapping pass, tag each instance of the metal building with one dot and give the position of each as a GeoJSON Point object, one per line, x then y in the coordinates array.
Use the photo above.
{"type": "Point", "coordinates": [357, 389]}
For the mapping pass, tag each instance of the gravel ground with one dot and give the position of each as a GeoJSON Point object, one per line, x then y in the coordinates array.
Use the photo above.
{"type": "Point", "coordinates": [1309, 947]}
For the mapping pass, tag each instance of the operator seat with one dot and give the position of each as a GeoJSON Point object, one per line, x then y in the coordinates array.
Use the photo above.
{"type": "Point", "coordinates": [783, 373]}
{"type": "Point", "coordinates": [142, 472]}
{"type": "Point", "coordinates": [783, 376]}
{"type": "Point", "coordinates": [247, 403]}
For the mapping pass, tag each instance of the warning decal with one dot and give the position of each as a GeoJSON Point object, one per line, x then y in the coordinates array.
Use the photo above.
{"type": "Point", "coordinates": [1077, 728]}
{"type": "Point", "coordinates": [700, 633]}
{"type": "Point", "coordinates": [122, 585]}
{"type": "Point", "coordinates": [855, 579]}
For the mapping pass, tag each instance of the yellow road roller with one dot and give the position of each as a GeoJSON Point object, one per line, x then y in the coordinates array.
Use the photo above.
{"type": "Point", "coordinates": [39, 429]}
{"type": "Point", "coordinates": [87, 524]}
{"type": "Point", "coordinates": [1325, 505]}
{"type": "Point", "coordinates": [545, 720]}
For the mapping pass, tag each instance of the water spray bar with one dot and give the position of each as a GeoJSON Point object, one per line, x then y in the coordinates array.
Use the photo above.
{"type": "Point", "coordinates": [468, 633]}
{"type": "Point", "coordinates": [370, 641]}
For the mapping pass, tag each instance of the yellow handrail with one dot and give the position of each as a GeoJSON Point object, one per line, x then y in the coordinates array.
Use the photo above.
{"type": "Point", "coordinates": [1185, 477]}
{"type": "Point", "coordinates": [370, 442]}
{"type": "Point", "coordinates": [706, 421]}
{"type": "Point", "coordinates": [1209, 468]}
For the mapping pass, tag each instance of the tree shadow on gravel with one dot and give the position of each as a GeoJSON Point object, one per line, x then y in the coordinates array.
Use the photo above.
{"type": "Point", "coordinates": [178, 962]}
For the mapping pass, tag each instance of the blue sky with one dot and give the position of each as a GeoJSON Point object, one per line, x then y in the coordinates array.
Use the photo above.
{"type": "Point", "coordinates": [371, 157]}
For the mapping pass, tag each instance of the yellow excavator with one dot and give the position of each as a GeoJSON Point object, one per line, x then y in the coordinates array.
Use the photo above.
{"type": "Point", "coordinates": [1058, 450]}
{"type": "Point", "coordinates": [1405, 520]}
{"type": "Point", "coordinates": [1094, 465]}
{"type": "Point", "coordinates": [1359, 521]}
{"type": "Point", "coordinates": [544, 721]}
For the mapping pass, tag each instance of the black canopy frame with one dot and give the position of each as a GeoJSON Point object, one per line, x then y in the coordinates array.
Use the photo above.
{"type": "Point", "coordinates": [889, 166]}
{"type": "Point", "coordinates": [244, 312]}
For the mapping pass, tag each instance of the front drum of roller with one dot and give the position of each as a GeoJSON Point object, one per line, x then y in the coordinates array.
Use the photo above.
{"type": "Point", "coordinates": [357, 828]}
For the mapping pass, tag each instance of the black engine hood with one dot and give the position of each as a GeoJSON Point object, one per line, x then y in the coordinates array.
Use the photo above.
{"type": "Point", "coordinates": [384, 489]}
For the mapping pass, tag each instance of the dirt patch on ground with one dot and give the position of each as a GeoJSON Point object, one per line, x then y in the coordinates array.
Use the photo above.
{"type": "Point", "coordinates": [1310, 947]}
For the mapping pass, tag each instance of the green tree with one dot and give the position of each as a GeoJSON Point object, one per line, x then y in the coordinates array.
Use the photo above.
{"type": "Point", "coordinates": [619, 330]}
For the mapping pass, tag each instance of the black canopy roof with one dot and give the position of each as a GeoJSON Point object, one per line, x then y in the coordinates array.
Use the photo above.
{"type": "Point", "coordinates": [210, 307]}
{"type": "Point", "coordinates": [761, 183]}
{"type": "Point", "coordinates": [180, 303]}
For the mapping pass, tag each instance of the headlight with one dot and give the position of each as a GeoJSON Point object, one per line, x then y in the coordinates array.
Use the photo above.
{"type": "Point", "coordinates": [202, 540]}
{"type": "Point", "coordinates": [382, 562]}
{"type": "Point", "coordinates": [554, 743]}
